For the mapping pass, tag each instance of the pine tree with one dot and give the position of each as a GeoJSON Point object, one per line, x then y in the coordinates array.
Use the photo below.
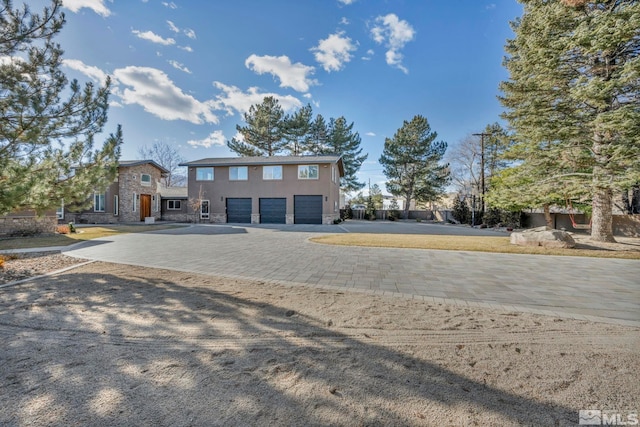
{"type": "Point", "coordinates": [342, 141]}
{"type": "Point", "coordinates": [264, 133]}
{"type": "Point", "coordinates": [411, 162]}
{"type": "Point", "coordinates": [572, 99]}
{"type": "Point", "coordinates": [297, 131]}
{"type": "Point", "coordinates": [318, 136]}
{"type": "Point", "coordinates": [48, 123]}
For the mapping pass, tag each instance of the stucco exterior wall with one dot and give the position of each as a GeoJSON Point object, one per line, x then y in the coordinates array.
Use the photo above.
{"type": "Point", "coordinates": [255, 187]}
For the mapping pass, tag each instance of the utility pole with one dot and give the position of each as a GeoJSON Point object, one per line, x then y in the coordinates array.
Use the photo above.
{"type": "Point", "coordinates": [482, 186]}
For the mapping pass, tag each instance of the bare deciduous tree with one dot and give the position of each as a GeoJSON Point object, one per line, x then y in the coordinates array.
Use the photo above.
{"type": "Point", "coordinates": [169, 158]}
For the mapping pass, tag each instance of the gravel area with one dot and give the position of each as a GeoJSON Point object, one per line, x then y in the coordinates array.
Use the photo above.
{"type": "Point", "coordinates": [18, 266]}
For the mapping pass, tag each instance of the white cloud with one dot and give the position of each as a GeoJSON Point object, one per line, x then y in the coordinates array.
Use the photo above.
{"type": "Point", "coordinates": [347, 2]}
{"type": "Point", "coordinates": [154, 38]}
{"type": "Point", "coordinates": [173, 27]}
{"type": "Point", "coordinates": [394, 34]}
{"type": "Point", "coordinates": [157, 94]}
{"type": "Point", "coordinates": [94, 73]}
{"type": "Point", "coordinates": [179, 66]}
{"type": "Point", "coordinates": [11, 60]}
{"type": "Point", "coordinates": [190, 33]}
{"type": "Point", "coordinates": [186, 48]}
{"type": "Point", "coordinates": [344, 21]}
{"type": "Point", "coordinates": [490, 6]}
{"type": "Point", "coordinates": [170, 5]}
{"type": "Point", "coordinates": [214, 138]}
{"type": "Point", "coordinates": [370, 134]}
{"type": "Point", "coordinates": [290, 75]}
{"type": "Point", "coordinates": [333, 52]}
{"type": "Point", "coordinates": [234, 99]}
{"type": "Point", "coordinates": [369, 55]}
{"type": "Point", "coordinates": [96, 5]}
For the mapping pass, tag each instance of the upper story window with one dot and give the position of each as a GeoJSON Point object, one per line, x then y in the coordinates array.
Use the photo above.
{"type": "Point", "coordinates": [204, 174]}
{"type": "Point", "coordinates": [145, 180]}
{"type": "Point", "coordinates": [238, 173]}
{"type": "Point", "coordinates": [308, 172]}
{"type": "Point", "coordinates": [272, 172]}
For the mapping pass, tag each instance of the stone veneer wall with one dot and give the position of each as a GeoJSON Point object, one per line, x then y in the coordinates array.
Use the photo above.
{"type": "Point", "coordinates": [25, 223]}
{"type": "Point", "coordinates": [129, 183]}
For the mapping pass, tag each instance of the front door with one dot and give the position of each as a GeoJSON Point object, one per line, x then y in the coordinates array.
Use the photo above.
{"type": "Point", "coordinates": [145, 206]}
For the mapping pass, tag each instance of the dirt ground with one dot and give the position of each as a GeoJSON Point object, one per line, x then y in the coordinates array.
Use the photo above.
{"type": "Point", "coordinates": [107, 344]}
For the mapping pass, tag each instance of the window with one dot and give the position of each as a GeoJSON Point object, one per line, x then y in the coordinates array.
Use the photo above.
{"type": "Point", "coordinates": [98, 202]}
{"type": "Point", "coordinates": [308, 172]}
{"type": "Point", "coordinates": [145, 180]}
{"type": "Point", "coordinates": [155, 200]}
{"type": "Point", "coordinates": [238, 173]}
{"type": "Point", "coordinates": [271, 172]}
{"type": "Point", "coordinates": [174, 205]}
{"type": "Point", "coordinates": [135, 201]}
{"type": "Point", "coordinates": [204, 174]}
{"type": "Point", "coordinates": [204, 209]}
{"type": "Point", "coordinates": [60, 211]}
{"type": "Point", "coordinates": [116, 205]}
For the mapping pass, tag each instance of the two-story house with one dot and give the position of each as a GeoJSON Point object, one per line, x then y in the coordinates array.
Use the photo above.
{"type": "Point", "coordinates": [133, 196]}
{"type": "Point", "coordinates": [260, 190]}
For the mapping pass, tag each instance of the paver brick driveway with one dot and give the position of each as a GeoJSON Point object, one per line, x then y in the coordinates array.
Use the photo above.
{"type": "Point", "coordinates": [579, 287]}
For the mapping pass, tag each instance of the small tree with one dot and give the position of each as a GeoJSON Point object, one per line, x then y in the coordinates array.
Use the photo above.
{"type": "Point", "coordinates": [370, 212]}
{"type": "Point", "coordinates": [376, 196]}
{"type": "Point", "coordinates": [461, 212]}
{"type": "Point", "coordinates": [394, 210]}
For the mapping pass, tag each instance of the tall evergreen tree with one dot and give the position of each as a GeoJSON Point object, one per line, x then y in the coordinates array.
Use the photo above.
{"type": "Point", "coordinates": [572, 99]}
{"type": "Point", "coordinates": [263, 134]}
{"type": "Point", "coordinates": [342, 141]}
{"type": "Point", "coordinates": [48, 123]}
{"type": "Point", "coordinates": [411, 162]}
{"type": "Point", "coordinates": [297, 131]}
{"type": "Point", "coordinates": [318, 136]}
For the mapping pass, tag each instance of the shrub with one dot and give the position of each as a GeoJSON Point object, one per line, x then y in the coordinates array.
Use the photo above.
{"type": "Point", "coordinates": [63, 229]}
{"type": "Point", "coordinates": [72, 228]}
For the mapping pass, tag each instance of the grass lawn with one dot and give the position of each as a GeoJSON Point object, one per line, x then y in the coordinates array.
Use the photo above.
{"type": "Point", "coordinates": [84, 233]}
{"type": "Point", "coordinates": [466, 243]}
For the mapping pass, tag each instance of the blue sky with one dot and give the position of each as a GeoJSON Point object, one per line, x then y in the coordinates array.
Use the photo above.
{"type": "Point", "coordinates": [185, 71]}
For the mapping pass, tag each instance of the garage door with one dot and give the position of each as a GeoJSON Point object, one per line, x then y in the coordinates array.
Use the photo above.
{"type": "Point", "coordinates": [307, 209]}
{"type": "Point", "coordinates": [273, 211]}
{"type": "Point", "coordinates": [239, 210]}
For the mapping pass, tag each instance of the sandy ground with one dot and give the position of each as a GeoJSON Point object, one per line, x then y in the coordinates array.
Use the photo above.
{"type": "Point", "coordinates": [107, 344]}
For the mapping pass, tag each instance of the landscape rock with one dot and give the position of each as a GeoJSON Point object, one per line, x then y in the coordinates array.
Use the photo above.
{"type": "Point", "coordinates": [543, 236]}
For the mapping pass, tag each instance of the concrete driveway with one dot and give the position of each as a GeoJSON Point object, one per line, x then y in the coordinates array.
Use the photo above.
{"type": "Point", "coordinates": [583, 288]}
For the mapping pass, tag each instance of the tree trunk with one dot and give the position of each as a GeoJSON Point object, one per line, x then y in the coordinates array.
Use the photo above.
{"type": "Point", "coordinates": [602, 201]}
{"type": "Point", "coordinates": [547, 215]}
{"type": "Point", "coordinates": [635, 199]}
{"type": "Point", "coordinates": [406, 207]}
{"type": "Point", "coordinates": [602, 217]}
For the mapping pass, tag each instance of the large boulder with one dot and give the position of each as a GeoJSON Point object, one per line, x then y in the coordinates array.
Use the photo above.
{"type": "Point", "coordinates": [543, 236]}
